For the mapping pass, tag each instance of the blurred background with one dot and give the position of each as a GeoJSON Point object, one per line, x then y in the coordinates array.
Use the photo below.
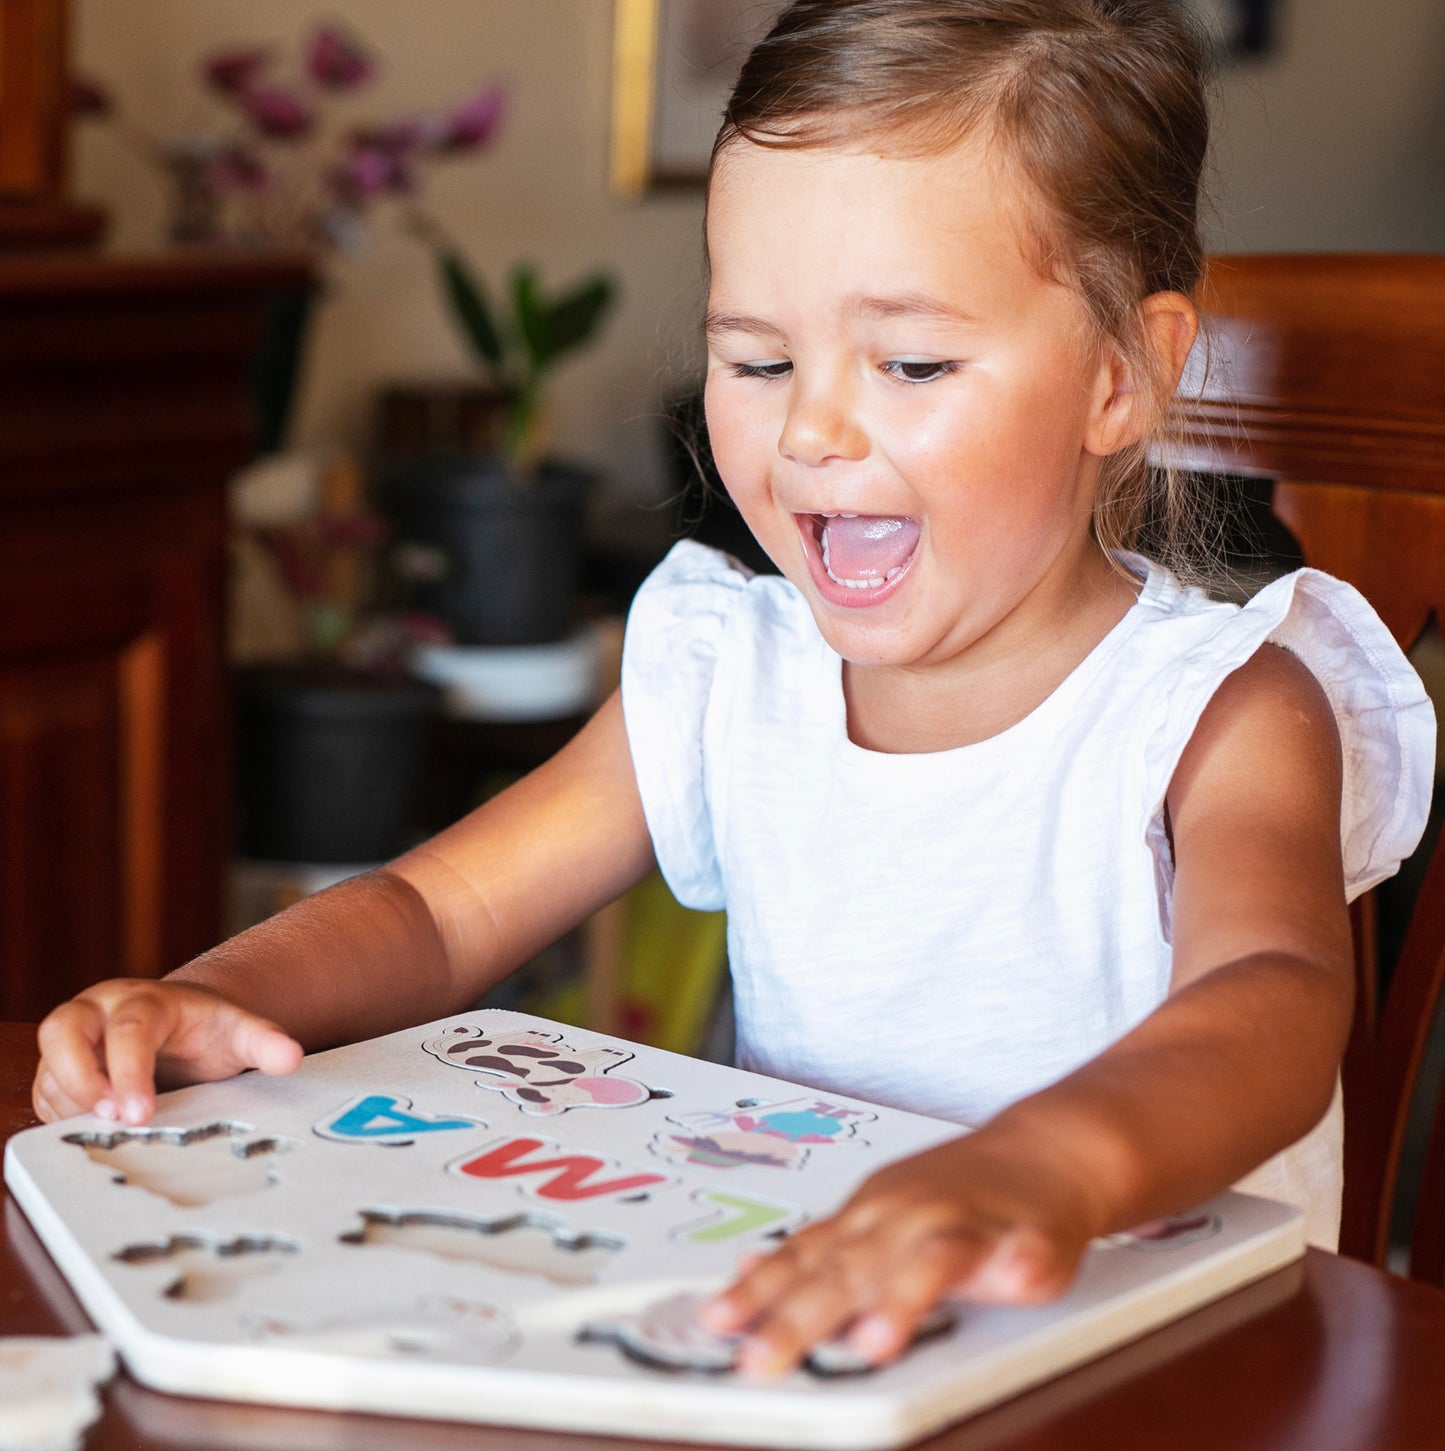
{"type": "Point", "coordinates": [343, 355]}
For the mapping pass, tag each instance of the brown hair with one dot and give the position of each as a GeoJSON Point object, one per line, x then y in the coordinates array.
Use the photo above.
{"type": "Point", "coordinates": [1101, 105]}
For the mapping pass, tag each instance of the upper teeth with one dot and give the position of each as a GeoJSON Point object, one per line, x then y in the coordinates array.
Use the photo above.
{"type": "Point", "coordinates": [839, 516]}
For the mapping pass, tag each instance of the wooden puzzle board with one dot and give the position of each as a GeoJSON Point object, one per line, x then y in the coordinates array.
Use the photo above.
{"type": "Point", "coordinates": [496, 1218]}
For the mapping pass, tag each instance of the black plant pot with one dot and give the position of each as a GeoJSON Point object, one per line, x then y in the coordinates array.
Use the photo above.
{"type": "Point", "coordinates": [507, 550]}
{"type": "Point", "coordinates": [328, 763]}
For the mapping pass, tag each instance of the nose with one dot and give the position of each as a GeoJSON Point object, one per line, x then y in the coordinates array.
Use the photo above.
{"type": "Point", "coordinates": [821, 424]}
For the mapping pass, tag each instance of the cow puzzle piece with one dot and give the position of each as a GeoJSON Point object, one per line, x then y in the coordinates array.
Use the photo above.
{"type": "Point", "coordinates": [539, 1072]}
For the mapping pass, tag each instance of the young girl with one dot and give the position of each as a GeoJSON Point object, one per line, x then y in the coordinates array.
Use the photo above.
{"type": "Point", "coordinates": [1011, 827]}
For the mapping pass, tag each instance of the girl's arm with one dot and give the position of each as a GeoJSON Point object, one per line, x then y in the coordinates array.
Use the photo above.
{"type": "Point", "coordinates": [1239, 1062]}
{"type": "Point", "coordinates": [417, 939]}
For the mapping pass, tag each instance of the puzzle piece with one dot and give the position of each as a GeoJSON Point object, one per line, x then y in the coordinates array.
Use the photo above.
{"type": "Point", "coordinates": [435, 1327]}
{"type": "Point", "coordinates": [211, 1268]}
{"type": "Point", "coordinates": [570, 1176]}
{"type": "Point", "coordinates": [777, 1135]}
{"type": "Point", "coordinates": [1172, 1233]}
{"type": "Point", "coordinates": [666, 1336]}
{"type": "Point", "coordinates": [190, 1167]}
{"type": "Point", "coordinates": [387, 1118]}
{"type": "Point", "coordinates": [737, 1215]}
{"type": "Point", "coordinates": [48, 1387]}
{"type": "Point", "coordinates": [539, 1072]}
{"type": "Point", "coordinates": [520, 1244]}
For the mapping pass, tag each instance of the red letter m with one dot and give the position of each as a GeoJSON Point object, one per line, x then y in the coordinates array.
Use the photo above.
{"type": "Point", "coordinates": [570, 1173]}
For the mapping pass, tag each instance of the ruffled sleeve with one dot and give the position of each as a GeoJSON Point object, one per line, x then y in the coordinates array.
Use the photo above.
{"type": "Point", "coordinates": [675, 629]}
{"type": "Point", "coordinates": [1385, 719]}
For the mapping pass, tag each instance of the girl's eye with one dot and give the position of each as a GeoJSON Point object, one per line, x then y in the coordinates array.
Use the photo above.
{"type": "Point", "coordinates": [908, 371]}
{"type": "Point", "coordinates": [780, 369]}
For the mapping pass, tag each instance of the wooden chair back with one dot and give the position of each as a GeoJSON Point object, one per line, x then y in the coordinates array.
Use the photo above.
{"type": "Point", "coordinates": [1327, 374]}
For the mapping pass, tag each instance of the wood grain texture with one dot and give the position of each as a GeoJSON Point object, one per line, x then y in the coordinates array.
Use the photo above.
{"type": "Point", "coordinates": [123, 412]}
{"type": "Point", "coordinates": [1328, 374]}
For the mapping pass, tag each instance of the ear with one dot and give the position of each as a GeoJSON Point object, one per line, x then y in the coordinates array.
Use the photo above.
{"type": "Point", "coordinates": [1124, 405]}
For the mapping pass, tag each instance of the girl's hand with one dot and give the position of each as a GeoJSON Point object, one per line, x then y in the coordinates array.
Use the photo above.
{"type": "Point", "coordinates": [102, 1051]}
{"type": "Point", "coordinates": [973, 1218]}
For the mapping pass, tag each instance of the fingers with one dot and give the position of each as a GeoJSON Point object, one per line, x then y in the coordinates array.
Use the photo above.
{"type": "Point", "coordinates": [257, 1043]}
{"type": "Point", "coordinates": [878, 1268]}
{"type": "Point", "coordinates": [133, 1037]}
{"type": "Point", "coordinates": [70, 1079]}
{"type": "Point", "coordinates": [877, 1285]}
{"type": "Point", "coordinates": [1021, 1268]}
{"type": "Point", "coordinates": [100, 1053]}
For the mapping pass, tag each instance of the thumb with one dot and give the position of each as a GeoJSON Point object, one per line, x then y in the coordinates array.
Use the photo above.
{"type": "Point", "coordinates": [259, 1043]}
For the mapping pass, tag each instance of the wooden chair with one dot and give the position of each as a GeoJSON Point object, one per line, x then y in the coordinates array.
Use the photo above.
{"type": "Point", "coordinates": [1327, 374]}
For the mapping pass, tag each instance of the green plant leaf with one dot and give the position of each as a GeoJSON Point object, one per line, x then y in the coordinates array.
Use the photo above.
{"type": "Point", "coordinates": [468, 298]}
{"type": "Point", "coordinates": [574, 317]}
{"type": "Point", "coordinates": [531, 314]}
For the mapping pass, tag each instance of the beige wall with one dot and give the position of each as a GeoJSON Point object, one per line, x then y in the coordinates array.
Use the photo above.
{"type": "Point", "coordinates": [541, 193]}
{"type": "Point", "coordinates": [1338, 142]}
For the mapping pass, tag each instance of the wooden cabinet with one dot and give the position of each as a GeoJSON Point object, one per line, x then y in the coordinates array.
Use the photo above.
{"type": "Point", "coordinates": [34, 98]}
{"type": "Point", "coordinates": [123, 410]}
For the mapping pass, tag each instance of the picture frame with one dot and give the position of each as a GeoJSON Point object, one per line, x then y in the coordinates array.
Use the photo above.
{"type": "Point", "coordinates": [34, 97]}
{"type": "Point", "coordinates": [674, 63]}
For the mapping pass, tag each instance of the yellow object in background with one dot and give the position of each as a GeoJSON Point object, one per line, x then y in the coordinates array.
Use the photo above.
{"type": "Point", "coordinates": [673, 962]}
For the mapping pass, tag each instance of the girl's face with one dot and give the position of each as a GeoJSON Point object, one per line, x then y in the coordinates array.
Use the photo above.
{"type": "Point", "coordinates": [880, 345]}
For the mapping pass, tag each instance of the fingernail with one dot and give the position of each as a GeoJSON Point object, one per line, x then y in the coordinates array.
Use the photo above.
{"type": "Point", "coordinates": [135, 1109]}
{"type": "Point", "coordinates": [105, 1108]}
{"type": "Point", "coordinates": [715, 1315]}
{"type": "Point", "coordinates": [873, 1336]}
{"type": "Point", "coordinates": [759, 1358]}
{"type": "Point", "coordinates": [1007, 1274]}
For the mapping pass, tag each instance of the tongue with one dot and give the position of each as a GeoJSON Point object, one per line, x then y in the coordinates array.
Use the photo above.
{"type": "Point", "coordinates": [868, 546]}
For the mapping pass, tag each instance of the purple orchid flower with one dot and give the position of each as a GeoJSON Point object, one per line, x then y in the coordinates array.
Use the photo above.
{"type": "Point", "coordinates": [233, 71]}
{"type": "Point", "coordinates": [337, 61]}
{"type": "Point", "coordinates": [276, 112]}
{"type": "Point", "coordinates": [366, 172]}
{"type": "Point", "coordinates": [475, 123]}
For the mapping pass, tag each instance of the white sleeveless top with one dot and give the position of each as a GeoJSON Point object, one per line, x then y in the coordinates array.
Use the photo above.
{"type": "Point", "coordinates": [949, 932]}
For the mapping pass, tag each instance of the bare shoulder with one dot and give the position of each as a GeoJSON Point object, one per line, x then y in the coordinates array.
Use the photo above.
{"type": "Point", "coordinates": [1269, 724]}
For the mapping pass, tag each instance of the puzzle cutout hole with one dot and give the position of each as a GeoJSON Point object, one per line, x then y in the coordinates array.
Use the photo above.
{"type": "Point", "coordinates": [436, 1327]}
{"type": "Point", "coordinates": [209, 1267]}
{"type": "Point", "coordinates": [666, 1336]}
{"type": "Point", "coordinates": [192, 1167]}
{"type": "Point", "coordinates": [518, 1244]}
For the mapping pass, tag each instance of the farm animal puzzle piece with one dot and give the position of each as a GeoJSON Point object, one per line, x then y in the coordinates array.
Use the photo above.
{"type": "Point", "coordinates": [209, 1267]}
{"type": "Point", "coordinates": [666, 1336]}
{"type": "Point", "coordinates": [520, 1244]}
{"type": "Point", "coordinates": [539, 1072]}
{"type": "Point", "coordinates": [190, 1167]}
{"type": "Point", "coordinates": [387, 1118]}
{"type": "Point", "coordinates": [435, 1327]}
{"type": "Point", "coordinates": [778, 1135]}
{"type": "Point", "coordinates": [569, 1176]}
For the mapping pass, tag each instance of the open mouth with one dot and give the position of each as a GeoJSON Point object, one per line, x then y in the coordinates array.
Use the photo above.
{"type": "Point", "coordinates": [859, 555]}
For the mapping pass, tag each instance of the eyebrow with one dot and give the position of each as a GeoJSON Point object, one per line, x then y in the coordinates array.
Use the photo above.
{"type": "Point", "coordinates": [906, 304]}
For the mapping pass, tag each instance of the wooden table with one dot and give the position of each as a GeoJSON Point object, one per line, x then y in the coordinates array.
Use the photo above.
{"type": "Point", "coordinates": [1326, 1355]}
